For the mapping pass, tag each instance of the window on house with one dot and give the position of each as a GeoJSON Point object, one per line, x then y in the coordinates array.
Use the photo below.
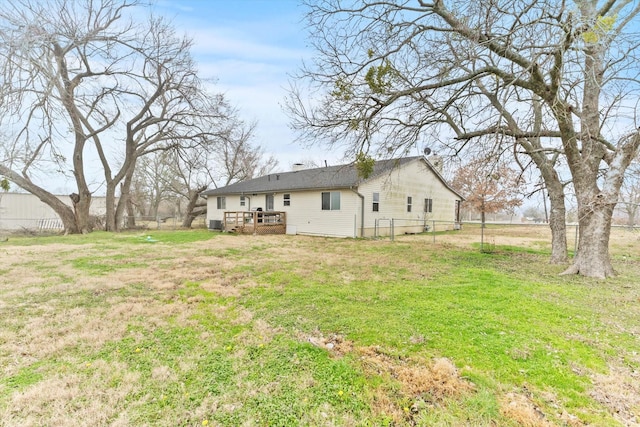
{"type": "Point", "coordinates": [409, 201]}
{"type": "Point", "coordinates": [428, 205]}
{"type": "Point", "coordinates": [268, 202]}
{"type": "Point", "coordinates": [222, 202]}
{"type": "Point", "coordinates": [286, 200]}
{"type": "Point", "coordinates": [331, 201]}
{"type": "Point", "coordinates": [376, 202]}
{"type": "Point", "coordinates": [242, 201]}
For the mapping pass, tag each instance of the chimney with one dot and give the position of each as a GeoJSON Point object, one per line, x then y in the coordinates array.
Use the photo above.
{"type": "Point", "coordinates": [297, 167]}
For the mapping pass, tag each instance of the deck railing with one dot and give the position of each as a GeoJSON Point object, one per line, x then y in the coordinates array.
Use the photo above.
{"type": "Point", "coordinates": [255, 222]}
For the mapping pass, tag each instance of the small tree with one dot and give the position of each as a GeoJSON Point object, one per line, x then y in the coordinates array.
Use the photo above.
{"type": "Point", "coordinates": [228, 157]}
{"type": "Point", "coordinates": [489, 187]}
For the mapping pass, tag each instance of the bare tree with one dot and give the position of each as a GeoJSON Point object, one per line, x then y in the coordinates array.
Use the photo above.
{"type": "Point", "coordinates": [48, 104]}
{"type": "Point", "coordinates": [86, 78]}
{"type": "Point", "coordinates": [154, 180]}
{"type": "Point", "coordinates": [228, 156]}
{"type": "Point", "coordinates": [552, 81]}
{"type": "Point", "coordinates": [221, 155]}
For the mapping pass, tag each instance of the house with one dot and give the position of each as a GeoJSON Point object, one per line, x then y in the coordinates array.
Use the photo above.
{"type": "Point", "coordinates": [335, 201]}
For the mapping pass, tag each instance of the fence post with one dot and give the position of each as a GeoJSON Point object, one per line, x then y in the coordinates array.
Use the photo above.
{"type": "Point", "coordinates": [434, 231]}
{"type": "Point", "coordinates": [392, 230]}
{"type": "Point", "coordinates": [575, 244]}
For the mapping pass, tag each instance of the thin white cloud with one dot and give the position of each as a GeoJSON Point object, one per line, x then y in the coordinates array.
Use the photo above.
{"type": "Point", "coordinates": [174, 5]}
{"type": "Point", "coordinates": [233, 43]}
{"type": "Point", "coordinates": [250, 57]}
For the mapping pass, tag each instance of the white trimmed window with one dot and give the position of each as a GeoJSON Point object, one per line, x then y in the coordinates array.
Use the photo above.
{"type": "Point", "coordinates": [428, 205]}
{"type": "Point", "coordinates": [376, 202]}
{"type": "Point", "coordinates": [221, 202]}
{"type": "Point", "coordinates": [330, 200]}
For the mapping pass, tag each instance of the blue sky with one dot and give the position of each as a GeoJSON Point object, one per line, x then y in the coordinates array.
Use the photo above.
{"type": "Point", "coordinates": [250, 47]}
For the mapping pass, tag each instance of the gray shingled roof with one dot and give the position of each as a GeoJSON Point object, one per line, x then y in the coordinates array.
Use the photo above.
{"type": "Point", "coordinates": [331, 177]}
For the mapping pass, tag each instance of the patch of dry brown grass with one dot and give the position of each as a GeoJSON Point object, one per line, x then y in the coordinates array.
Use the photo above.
{"type": "Point", "coordinates": [523, 411]}
{"type": "Point", "coordinates": [619, 391]}
{"type": "Point", "coordinates": [68, 399]}
{"type": "Point", "coordinates": [423, 383]}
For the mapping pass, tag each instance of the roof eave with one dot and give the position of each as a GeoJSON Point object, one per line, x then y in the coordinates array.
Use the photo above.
{"type": "Point", "coordinates": [287, 190]}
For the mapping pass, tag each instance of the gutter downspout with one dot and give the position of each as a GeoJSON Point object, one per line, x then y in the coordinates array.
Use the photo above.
{"type": "Point", "coordinates": [361, 210]}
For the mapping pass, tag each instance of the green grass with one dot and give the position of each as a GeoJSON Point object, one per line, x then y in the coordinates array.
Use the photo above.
{"type": "Point", "coordinates": [109, 240]}
{"type": "Point", "coordinates": [228, 333]}
{"type": "Point", "coordinates": [475, 316]}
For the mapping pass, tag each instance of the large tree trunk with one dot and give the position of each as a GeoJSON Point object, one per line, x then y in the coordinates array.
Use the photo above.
{"type": "Point", "coordinates": [82, 199]}
{"type": "Point", "coordinates": [125, 200]}
{"type": "Point", "coordinates": [558, 225]}
{"type": "Point", "coordinates": [81, 204]}
{"type": "Point", "coordinates": [597, 198]}
{"type": "Point", "coordinates": [110, 220]}
{"type": "Point", "coordinates": [191, 212]}
{"type": "Point", "coordinates": [557, 220]}
{"type": "Point", "coordinates": [558, 210]}
{"type": "Point", "coordinates": [64, 211]}
{"type": "Point", "coordinates": [594, 227]}
{"type": "Point", "coordinates": [131, 212]}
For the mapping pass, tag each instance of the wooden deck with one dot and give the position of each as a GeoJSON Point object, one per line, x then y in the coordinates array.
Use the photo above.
{"type": "Point", "coordinates": [255, 222]}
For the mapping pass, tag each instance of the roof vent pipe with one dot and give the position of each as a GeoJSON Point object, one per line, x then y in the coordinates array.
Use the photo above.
{"type": "Point", "coordinates": [297, 167]}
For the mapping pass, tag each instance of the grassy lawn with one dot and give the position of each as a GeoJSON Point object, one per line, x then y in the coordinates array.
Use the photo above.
{"type": "Point", "coordinates": [192, 328]}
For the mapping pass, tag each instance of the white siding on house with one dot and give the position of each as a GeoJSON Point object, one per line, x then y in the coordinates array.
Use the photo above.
{"type": "Point", "coordinates": [414, 179]}
{"type": "Point", "coordinates": [304, 212]}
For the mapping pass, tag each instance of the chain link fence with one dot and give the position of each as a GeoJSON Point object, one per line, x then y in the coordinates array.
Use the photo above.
{"type": "Point", "coordinates": [159, 223]}
{"type": "Point", "coordinates": [494, 234]}
{"type": "Point", "coordinates": [392, 227]}
{"type": "Point", "coordinates": [33, 226]}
